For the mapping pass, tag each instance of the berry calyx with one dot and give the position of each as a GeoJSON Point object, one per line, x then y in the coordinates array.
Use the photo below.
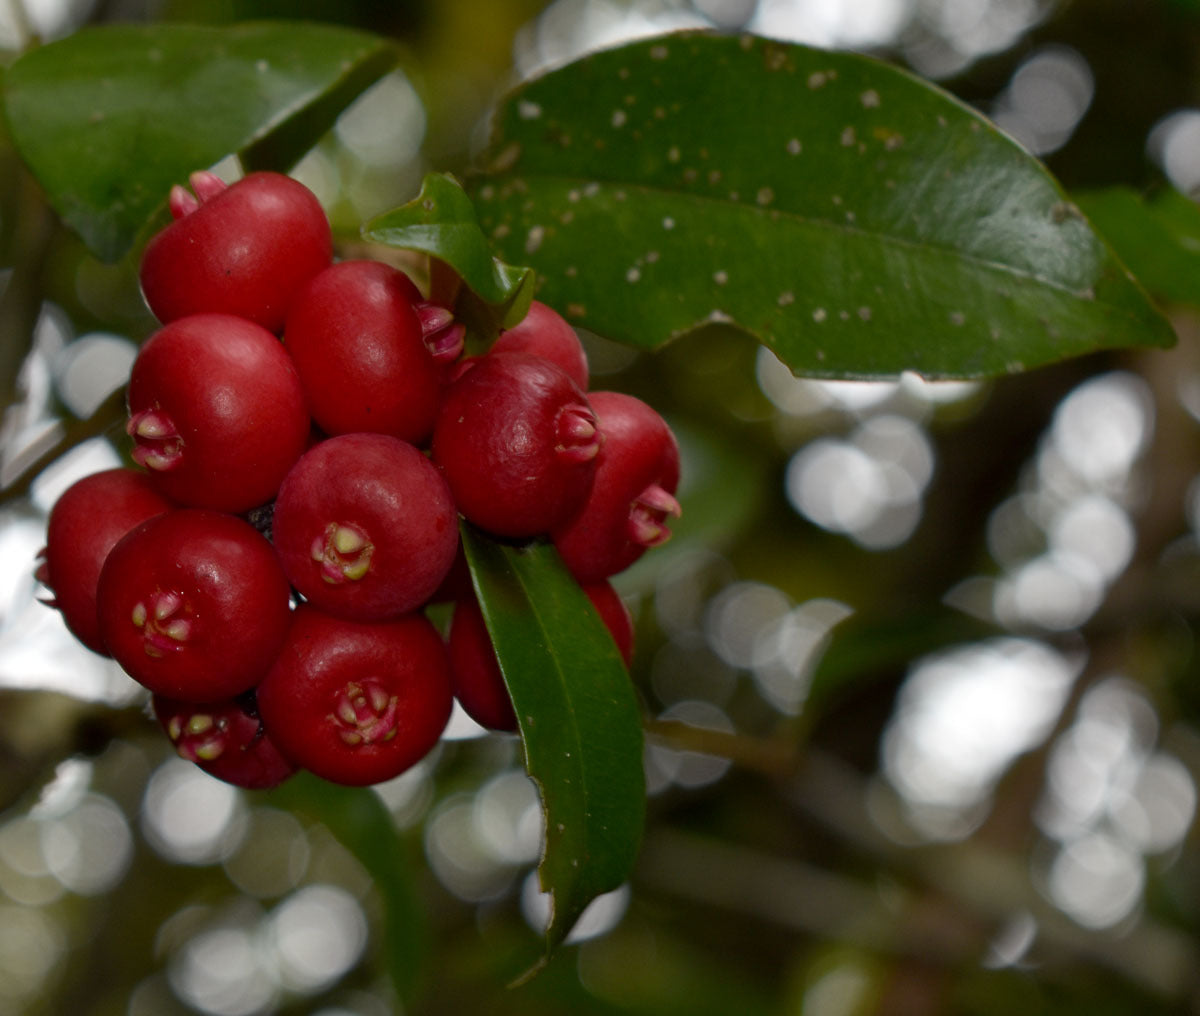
{"type": "Point", "coordinates": [443, 336]}
{"type": "Point", "coordinates": [205, 183]}
{"type": "Point", "coordinates": [344, 553]}
{"type": "Point", "coordinates": [165, 621]}
{"type": "Point", "coordinates": [365, 713]}
{"type": "Point", "coordinates": [648, 515]}
{"type": "Point", "coordinates": [578, 438]}
{"type": "Point", "coordinates": [157, 444]}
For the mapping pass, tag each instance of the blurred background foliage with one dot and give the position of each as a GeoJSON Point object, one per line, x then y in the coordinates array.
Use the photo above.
{"type": "Point", "coordinates": [919, 668]}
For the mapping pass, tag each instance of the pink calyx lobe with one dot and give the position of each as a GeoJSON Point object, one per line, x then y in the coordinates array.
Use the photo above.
{"type": "Point", "coordinates": [205, 184]}
{"type": "Point", "coordinates": [165, 622]}
{"type": "Point", "coordinates": [364, 713]}
{"type": "Point", "coordinates": [578, 437]}
{"type": "Point", "coordinates": [157, 444]}
{"type": "Point", "coordinates": [648, 516]}
{"type": "Point", "coordinates": [443, 336]}
{"type": "Point", "coordinates": [344, 553]}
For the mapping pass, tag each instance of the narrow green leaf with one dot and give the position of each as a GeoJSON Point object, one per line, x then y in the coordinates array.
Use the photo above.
{"type": "Point", "coordinates": [108, 119]}
{"type": "Point", "coordinates": [854, 218]}
{"type": "Point", "coordinates": [441, 222]}
{"type": "Point", "coordinates": [578, 716]}
{"type": "Point", "coordinates": [1158, 237]}
{"type": "Point", "coordinates": [359, 821]}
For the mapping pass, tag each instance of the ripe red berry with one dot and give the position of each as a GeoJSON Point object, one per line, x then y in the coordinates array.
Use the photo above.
{"type": "Point", "coordinates": [85, 523]}
{"type": "Point", "coordinates": [245, 249]}
{"type": "Point", "coordinates": [478, 682]}
{"type": "Point", "coordinates": [216, 412]}
{"type": "Point", "coordinates": [358, 339]}
{"type": "Point", "coordinates": [517, 442]}
{"type": "Point", "coordinates": [545, 332]}
{"type": "Point", "coordinates": [633, 496]}
{"type": "Point", "coordinates": [193, 604]}
{"type": "Point", "coordinates": [226, 739]}
{"type": "Point", "coordinates": [365, 526]}
{"type": "Point", "coordinates": [357, 703]}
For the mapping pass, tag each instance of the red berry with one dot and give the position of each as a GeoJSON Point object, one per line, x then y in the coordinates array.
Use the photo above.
{"type": "Point", "coordinates": [245, 249]}
{"type": "Point", "coordinates": [365, 526]}
{"type": "Point", "coordinates": [359, 343]}
{"type": "Point", "coordinates": [85, 523]}
{"type": "Point", "coordinates": [544, 332]}
{"type": "Point", "coordinates": [226, 739]}
{"type": "Point", "coordinates": [478, 683]}
{"type": "Point", "coordinates": [633, 496]}
{"type": "Point", "coordinates": [193, 604]}
{"type": "Point", "coordinates": [517, 442]}
{"type": "Point", "coordinates": [357, 703]}
{"type": "Point", "coordinates": [216, 412]}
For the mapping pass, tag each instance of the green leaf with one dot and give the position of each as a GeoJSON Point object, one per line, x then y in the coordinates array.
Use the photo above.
{"type": "Point", "coordinates": [108, 119]}
{"type": "Point", "coordinates": [359, 821]}
{"type": "Point", "coordinates": [855, 219]}
{"type": "Point", "coordinates": [1158, 237]}
{"type": "Point", "coordinates": [441, 222]}
{"type": "Point", "coordinates": [578, 717]}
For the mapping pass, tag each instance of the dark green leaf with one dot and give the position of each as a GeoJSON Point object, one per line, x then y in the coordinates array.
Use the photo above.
{"type": "Point", "coordinates": [359, 821]}
{"type": "Point", "coordinates": [441, 222]}
{"type": "Point", "coordinates": [1157, 237]}
{"type": "Point", "coordinates": [578, 715]}
{"type": "Point", "coordinates": [109, 118]}
{"type": "Point", "coordinates": [852, 217]}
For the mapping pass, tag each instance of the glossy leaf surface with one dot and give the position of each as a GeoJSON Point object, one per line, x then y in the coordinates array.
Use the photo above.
{"type": "Point", "coordinates": [855, 219]}
{"type": "Point", "coordinates": [578, 717]}
{"type": "Point", "coordinates": [108, 119]}
{"type": "Point", "coordinates": [441, 223]}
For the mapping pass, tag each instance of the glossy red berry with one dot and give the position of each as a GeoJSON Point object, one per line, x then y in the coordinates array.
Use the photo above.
{"type": "Point", "coordinates": [545, 332]}
{"type": "Point", "coordinates": [193, 604]}
{"type": "Point", "coordinates": [226, 739]}
{"type": "Point", "coordinates": [357, 703]}
{"type": "Point", "coordinates": [478, 682]}
{"type": "Point", "coordinates": [85, 523]}
{"type": "Point", "coordinates": [245, 249]}
{"type": "Point", "coordinates": [632, 499]}
{"type": "Point", "coordinates": [216, 412]}
{"type": "Point", "coordinates": [517, 442]}
{"type": "Point", "coordinates": [365, 526]}
{"type": "Point", "coordinates": [358, 335]}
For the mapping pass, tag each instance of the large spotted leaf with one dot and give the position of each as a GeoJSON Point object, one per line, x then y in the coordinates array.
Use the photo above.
{"type": "Point", "coordinates": [110, 117]}
{"type": "Point", "coordinates": [852, 217]}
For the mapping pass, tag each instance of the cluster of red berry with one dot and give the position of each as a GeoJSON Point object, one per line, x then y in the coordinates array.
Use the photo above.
{"type": "Point", "coordinates": [265, 572]}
